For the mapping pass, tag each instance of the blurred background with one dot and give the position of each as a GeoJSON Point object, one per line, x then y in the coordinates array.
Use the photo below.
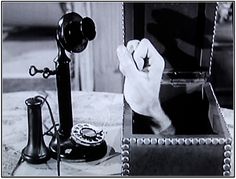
{"type": "Point", "coordinates": [28, 38]}
{"type": "Point", "coordinates": [223, 60]}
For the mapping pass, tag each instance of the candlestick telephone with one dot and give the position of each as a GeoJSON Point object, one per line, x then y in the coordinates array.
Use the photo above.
{"type": "Point", "coordinates": [82, 142]}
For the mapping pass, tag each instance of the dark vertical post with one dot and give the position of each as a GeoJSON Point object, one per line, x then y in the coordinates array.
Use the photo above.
{"type": "Point", "coordinates": [139, 20]}
{"type": "Point", "coordinates": [64, 92]}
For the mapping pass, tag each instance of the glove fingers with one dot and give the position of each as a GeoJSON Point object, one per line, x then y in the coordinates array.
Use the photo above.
{"type": "Point", "coordinates": [132, 45]}
{"type": "Point", "coordinates": [127, 65]}
{"type": "Point", "coordinates": [145, 49]}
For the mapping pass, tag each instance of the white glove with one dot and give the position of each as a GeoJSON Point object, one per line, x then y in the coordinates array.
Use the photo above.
{"type": "Point", "coordinates": [142, 85]}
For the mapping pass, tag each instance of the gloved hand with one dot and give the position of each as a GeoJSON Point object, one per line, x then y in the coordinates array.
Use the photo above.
{"type": "Point", "coordinates": [142, 83]}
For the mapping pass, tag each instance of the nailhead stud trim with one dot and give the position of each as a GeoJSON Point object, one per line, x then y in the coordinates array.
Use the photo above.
{"type": "Point", "coordinates": [125, 166]}
{"type": "Point", "coordinates": [161, 141]}
{"type": "Point", "coordinates": [228, 141]}
{"type": "Point", "coordinates": [140, 141]}
{"type": "Point", "coordinates": [180, 141]}
{"type": "Point", "coordinates": [202, 141]}
{"type": "Point", "coordinates": [125, 172]}
{"type": "Point", "coordinates": [227, 160]}
{"type": "Point", "coordinates": [167, 141]}
{"type": "Point", "coordinates": [153, 141]}
{"type": "Point", "coordinates": [226, 173]}
{"type": "Point", "coordinates": [174, 141]}
{"type": "Point", "coordinates": [125, 159]}
{"type": "Point", "coordinates": [227, 147]}
{"type": "Point", "coordinates": [227, 154]}
{"type": "Point", "coordinates": [125, 153]}
{"type": "Point", "coordinates": [188, 141]}
{"type": "Point", "coordinates": [125, 156]}
{"type": "Point", "coordinates": [195, 141]}
{"type": "Point", "coordinates": [125, 146]}
{"type": "Point", "coordinates": [215, 141]}
{"type": "Point", "coordinates": [147, 141]}
{"type": "Point", "coordinates": [177, 141]}
{"type": "Point", "coordinates": [222, 141]}
{"type": "Point", "coordinates": [213, 40]}
{"type": "Point", "coordinates": [208, 141]}
{"type": "Point", "coordinates": [226, 167]}
{"type": "Point", "coordinates": [125, 140]}
{"type": "Point", "coordinates": [133, 140]}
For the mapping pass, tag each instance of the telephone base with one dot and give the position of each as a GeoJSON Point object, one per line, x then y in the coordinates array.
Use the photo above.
{"type": "Point", "coordinates": [69, 150]}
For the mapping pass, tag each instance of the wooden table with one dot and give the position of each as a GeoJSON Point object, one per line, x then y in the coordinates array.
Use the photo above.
{"type": "Point", "coordinates": [104, 110]}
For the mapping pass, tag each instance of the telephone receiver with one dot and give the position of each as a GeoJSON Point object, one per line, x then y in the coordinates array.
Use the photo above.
{"type": "Point", "coordinates": [74, 32]}
{"type": "Point", "coordinates": [82, 142]}
{"type": "Point", "coordinates": [36, 151]}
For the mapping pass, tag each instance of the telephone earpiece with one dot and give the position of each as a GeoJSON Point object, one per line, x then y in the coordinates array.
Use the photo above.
{"type": "Point", "coordinates": [74, 32]}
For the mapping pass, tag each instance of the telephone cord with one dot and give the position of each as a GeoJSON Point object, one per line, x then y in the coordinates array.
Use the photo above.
{"type": "Point", "coordinates": [56, 133]}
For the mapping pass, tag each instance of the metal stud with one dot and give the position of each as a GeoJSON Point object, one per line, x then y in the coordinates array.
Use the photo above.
{"type": "Point", "coordinates": [125, 140]}
{"type": "Point", "coordinates": [221, 141]}
{"type": "Point", "coordinates": [125, 153]}
{"type": "Point", "coordinates": [228, 141]}
{"type": "Point", "coordinates": [147, 141]}
{"type": "Point", "coordinates": [215, 141]}
{"type": "Point", "coordinates": [139, 141]}
{"type": "Point", "coordinates": [161, 141]}
{"type": "Point", "coordinates": [153, 141]}
{"type": "Point", "coordinates": [227, 160]}
{"type": "Point", "coordinates": [226, 173]}
{"type": "Point", "coordinates": [125, 165]}
{"type": "Point", "coordinates": [125, 172]}
{"type": "Point", "coordinates": [227, 147]}
{"type": "Point", "coordinates": [227, 154]}
{"type": "Point", "coordinates": [125, 146]}
{"type": "Point", "coordinates": [133, 140]}
{"type": "Point", "coordinates": [180, 141]}
{"type": "Point", "coordinates": [202, 141]}
{"type": "Point", "coordinates": [188, 141]}
{"type": "Point", "coordinates": [174, 141]}
{"type": "Point", "coordinates": [226, 167]}
{"type": "Point", "coordinates": [213, 42]}
{"type": "Point", "coordinates": [195, 141]}
{"type": "Point", "coordinates": [167, 141]}
{"type": "Point", "coordinates": [125, 159]}
{"type": "Point", "coordinates": [123, 26]}
{"type": "Point", "coordinates": [208, 141]}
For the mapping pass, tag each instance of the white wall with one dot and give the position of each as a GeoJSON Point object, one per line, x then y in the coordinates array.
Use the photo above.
{"type": "Point", "coordinates": [31, 13]}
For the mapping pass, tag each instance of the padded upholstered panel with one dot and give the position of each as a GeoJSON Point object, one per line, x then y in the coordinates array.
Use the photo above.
{"type": "Point", "coordinates": [176, 160]}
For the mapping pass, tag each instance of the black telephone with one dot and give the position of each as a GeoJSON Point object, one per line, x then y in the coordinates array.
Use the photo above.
{"type": "Point", "coordinates": [79, 142]}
